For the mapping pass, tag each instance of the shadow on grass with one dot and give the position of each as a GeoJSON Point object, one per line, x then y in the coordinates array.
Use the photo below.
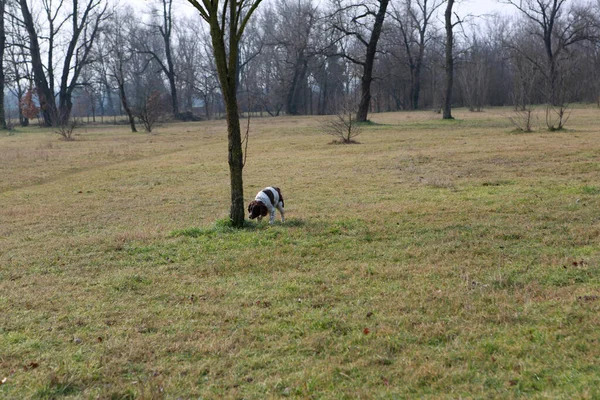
{"type": "Point", "coordinates": [223, 226]}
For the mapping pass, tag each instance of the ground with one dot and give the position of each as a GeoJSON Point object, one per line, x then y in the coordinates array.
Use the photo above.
{"type": "Point", "coordinates": [435, 259]}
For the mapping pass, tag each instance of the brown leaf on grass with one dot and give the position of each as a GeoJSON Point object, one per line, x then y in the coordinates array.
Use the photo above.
{"type": "Point", "coordinates": [513, 382]}
{"type": "Point", "coordinates": [369, 314]}
{"type": "Point", "coordinates": [386, 382]}
{"type": "Point", "coordinates": [366, 331]}
{"type": "Point", "coordinates": [31, 365]}
{"type": "Point", "coordinates": [99, 339]}
{"type": "Point", "coordinates": [587, 298]}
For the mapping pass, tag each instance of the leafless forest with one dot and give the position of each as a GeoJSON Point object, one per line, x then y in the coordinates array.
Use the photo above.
{"type": "Point", "coordinates": [102, 62]}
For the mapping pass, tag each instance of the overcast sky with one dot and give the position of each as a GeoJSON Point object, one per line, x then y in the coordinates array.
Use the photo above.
{"type": "Point", "coordinates": [463, 7]}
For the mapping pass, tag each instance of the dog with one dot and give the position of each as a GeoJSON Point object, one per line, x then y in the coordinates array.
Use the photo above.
{"type": "Point", "coordinates": [265, 202]}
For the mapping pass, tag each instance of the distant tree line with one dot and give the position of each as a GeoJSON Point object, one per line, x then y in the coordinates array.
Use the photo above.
{"type": "Point", "coordinates": [297, 57]}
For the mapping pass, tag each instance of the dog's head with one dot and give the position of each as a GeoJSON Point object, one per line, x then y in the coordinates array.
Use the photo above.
{"type": "Point", "coordinates": [257, 209]}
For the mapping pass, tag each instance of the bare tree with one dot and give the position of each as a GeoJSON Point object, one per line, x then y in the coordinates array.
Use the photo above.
{"type": "Point", "coordinates": [558, 27]}
{"type": "Point", "coordinates": [368, 36]}
{"type": "Point", "coordinates": [413, 21]}
{"type": "Point", "coordinates": [188, 55]}
{"type": "Point", "coordinates": [474, 76]}
{"type": "Point", "coordinates": [119, 53]}
{"type": "Point", "coordinates": [152, 110]}
{"type": "Point", "coordinates": [84, 23]}
{"type": "Point", "coordinates": [164, 26]}
{"type": "Point", "coordinates": [17, 61]}
{"type": "Point", "coordinates": [449, 25]}
{"type": "Point", "coordinates": [292, 36]}
{"type": "Point", "coordinates": [2, 77]}
{"type": "Point", "coordinates": [227, 22]}
{"type": "Point", "coordinates": [45, 91]}
{"type": "Point", "coordinates": [343, 125]}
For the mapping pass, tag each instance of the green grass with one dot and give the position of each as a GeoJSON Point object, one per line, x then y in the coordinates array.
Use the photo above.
{"type": "Point", "coordinates": [433, 260]}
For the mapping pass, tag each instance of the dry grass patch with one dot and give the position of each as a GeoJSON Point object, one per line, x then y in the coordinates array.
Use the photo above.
{"type": "Point", "coordinates": [436, 259]}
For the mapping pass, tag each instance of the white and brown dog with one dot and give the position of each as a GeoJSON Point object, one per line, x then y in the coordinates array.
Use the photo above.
{"type": "Point", "coordinates": [265, 202]}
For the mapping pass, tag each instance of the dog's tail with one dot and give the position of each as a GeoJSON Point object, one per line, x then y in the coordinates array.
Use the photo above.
{"type": "Point", "coordinates": [280, 196]}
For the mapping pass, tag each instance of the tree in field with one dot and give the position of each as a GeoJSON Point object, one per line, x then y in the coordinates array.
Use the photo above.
{"type": "Point", "coordinates": [292, 36]}
{"type": "Point", "coordinates": [364, 22]}
{"type": "Point", "coordinates": [449, 25]}
{"type": "Point", "coordinates": [151, 110]}
{"type": "Point", "coordinates": [557, 26]}
{"type": "Point", "coordinates": [413, 20]}
{"type": "Point", "coordinates": [83, 22]}
{"type": "Point", "coordinates": [2, 77]}
{"type": "Point", "coordinates": [118, 57]}
{"type": "Point", "coordinates": [227, 21]}
{"type": "Point", "coordinates": [163, 24]}
{"type": "Point", "coordinates": [27, 105]}
{"type": "Point", "coordinates": [17, 59]}
{"type": "Point", "coordinates": [343, 126]}
{"type": "Point", "coordinates": [473, 76]}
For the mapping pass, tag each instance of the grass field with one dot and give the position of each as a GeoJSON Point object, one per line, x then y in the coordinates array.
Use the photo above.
{"type": "Point", "coordinates": [436, 259]}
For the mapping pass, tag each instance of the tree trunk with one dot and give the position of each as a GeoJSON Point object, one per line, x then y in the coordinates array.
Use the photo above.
{"type": "Point", "coordinates": [2, 47]}
{"type": "Point", "coordinates": [416, 84]}
{"type": "Point", "coordinates": [228, 78]}
{"type": "Point", "coordinates": [293, 96]}
{"type": "Point", "coordinates": [45, 95]}
{"type": "Point", "coordinates": [449, 62]}
{"type": "Point", "coordinates": [172, 84]}
{"type": "Point", "coordinates": [367, 78]}
{"type": "Point", "coordinates": [236, 162]}
{"type": "Point", "coordinates": [126, 105]}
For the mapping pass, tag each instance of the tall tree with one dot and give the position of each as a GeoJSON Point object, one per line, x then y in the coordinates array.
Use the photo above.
{"type": "Point", "coordinates": [289, 43]}
{"type": "Point", "coordinates": [44, 91]}
{"type": "Point", "coordinates": [227, 21]}
{"type": "Point", "coordinates": [17, 58]}
{"type": "Point", "coordinates": [119, 54]}
{"type": "Point", "coordinates": [167, 64]}
{"type": "Point", "coordinates": [558, 28]}
{"type": "Point", "coordinates": [413, 21]}
{"type": "Point", "coordinates": [2, 47]}
{"type": "Point", "coordinates": [84, 21]}
{"type": "Point", "coordinates": [449, 25]}
{"type": "Point", "coordinates": [368, 37]}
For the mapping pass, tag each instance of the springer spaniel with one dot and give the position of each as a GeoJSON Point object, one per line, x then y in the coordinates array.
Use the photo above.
{"type": "Point", "coordinates": [265, 202]}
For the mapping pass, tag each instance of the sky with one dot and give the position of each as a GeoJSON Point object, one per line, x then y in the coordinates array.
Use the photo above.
{"type": "Point", "coordinates": [463, 7]}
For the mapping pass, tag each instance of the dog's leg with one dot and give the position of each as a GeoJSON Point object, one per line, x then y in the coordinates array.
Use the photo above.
{"type": "Point", "coordinates": [280, 208]}
{"type": "Point", "coordinates": [259, 218]}
{"type": "Point", "coordinates": [272, 218]}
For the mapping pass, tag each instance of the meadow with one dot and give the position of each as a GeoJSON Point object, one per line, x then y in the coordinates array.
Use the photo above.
{"type": "Point", "coordinates": [435, 259]}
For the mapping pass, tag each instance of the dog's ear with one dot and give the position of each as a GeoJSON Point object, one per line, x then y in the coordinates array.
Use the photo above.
{"type": "Point", "coordinates": [263, 210]}
{"type": "Point", "coordinates": [251, 206]}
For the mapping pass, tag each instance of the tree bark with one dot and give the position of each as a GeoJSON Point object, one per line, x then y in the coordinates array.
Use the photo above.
{"type": "Point", "coordinates": [226, 60]}
{"type": "Point", "coordinates": [2, 47]}
{"type": "Point", "coordinates": [125, 104]}
{"type": "Point", "coordinates": [449, 61]}
{"type": "Point", "coordinates": [170, 70]}
{"type": "Point", "coordinates": [367, 78]}
{"type": "Point", "coordinates": [45, 95]}
{"type": "Point", "coordinates": [226, 70]}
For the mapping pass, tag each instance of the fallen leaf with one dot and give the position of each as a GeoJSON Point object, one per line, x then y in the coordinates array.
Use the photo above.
{"type": "Point", "coordinates": [366, 331]}
{"type": "Point", "coordinates": [31, 365]}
